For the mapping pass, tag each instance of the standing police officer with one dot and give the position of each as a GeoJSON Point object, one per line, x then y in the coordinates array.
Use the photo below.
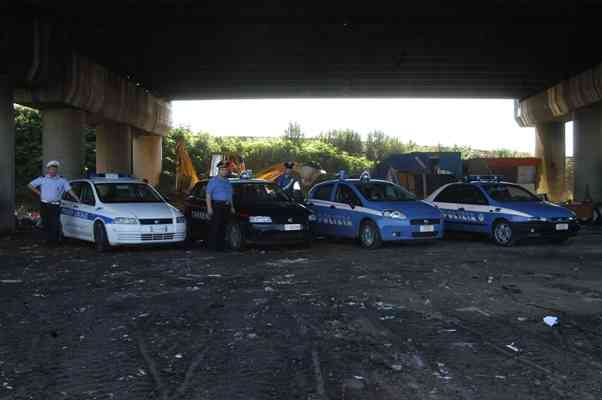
{"type": "Point", "coordinates": [219, 203]}
{"type": "Point", "coordinates": [287, 180]}
{"type": "Point", "coordinates": [50, 189]}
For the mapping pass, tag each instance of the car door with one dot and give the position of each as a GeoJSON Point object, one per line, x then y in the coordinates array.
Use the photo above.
{"type": "Point", "coordinates": [197, 211]}
{"type": "Point", "coordinates": [474, 208]}
{"type": "Point", "coordinates": [449, 201]}
{"type": "Point", "coordinates": [464, 208]}
{"type": "Point", "coordinates": [321, 204]}
{"type": "Point", "coordinates": [86, 212]}
{"type": "Point", "coordinates": [346, 217]}
{"type": "Point", "coordinates": [68, 208]}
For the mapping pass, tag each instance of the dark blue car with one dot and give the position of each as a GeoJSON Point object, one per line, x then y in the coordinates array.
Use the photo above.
{"type": "Point", "coordinates": [372, 211]}
{"type": "Point", "coordinates": [505, 211]}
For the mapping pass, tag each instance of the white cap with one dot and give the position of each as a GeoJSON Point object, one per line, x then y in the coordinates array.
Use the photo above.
{"type": "Point", "coordinates": [53, 163]}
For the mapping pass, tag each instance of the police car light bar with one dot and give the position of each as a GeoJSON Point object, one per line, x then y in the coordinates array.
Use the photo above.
{"type": "Point", "coordinates": [483, 178]}
{"type": "Point", "coordinates": [109, 175]}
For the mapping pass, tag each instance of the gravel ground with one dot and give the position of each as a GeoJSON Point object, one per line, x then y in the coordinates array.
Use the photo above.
{"type": "Point", "coordinates": [457, 319]}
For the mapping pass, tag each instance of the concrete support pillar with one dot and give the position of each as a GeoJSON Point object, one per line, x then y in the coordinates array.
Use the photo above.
{"type": "Point", "coordinates": [7, 157]}
{"type": "Point", "coordinates": [587, 149]}
{"type": "Point", "coordinates": [63, 135]}
{"type": "Point", "coordinates": [114, 148]}
{"type": "Point", "coordinates": [148, 157]}
{"type": "Point", "coordinates": [550, 147]}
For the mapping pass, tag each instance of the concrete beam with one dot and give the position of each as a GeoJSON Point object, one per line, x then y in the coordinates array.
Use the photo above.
{"type": "Point", "coordinates": [7, 156]}
{"type": "Point", "coordinates": [88, 86]}
{"type": "Point", "coordinates": [63, 139]}
{"type": "Point", "coordinates": [113, 148]}
{"type": "Point", "coordinates": [558, 102]}
{"type": "Point", "coordinates": [550, 148]}
{"type": "Point", "coordinates": [148, 157]}
{"type": "Point", "coordinates": [587, 130]}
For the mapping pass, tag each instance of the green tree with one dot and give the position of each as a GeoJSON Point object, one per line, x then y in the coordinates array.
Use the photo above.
{"type": "Point", "coordinates": [379, 146]}
{"type": "Point", "coordinates": [345, 140]}
{"type": "Point", "coordinates": [28, 146]}
{"type": "Point", "coordinates": [293, 132]}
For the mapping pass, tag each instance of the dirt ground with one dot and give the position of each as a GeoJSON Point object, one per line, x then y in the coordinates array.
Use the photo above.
{"type": "Point", "coordinates": [457, 319]}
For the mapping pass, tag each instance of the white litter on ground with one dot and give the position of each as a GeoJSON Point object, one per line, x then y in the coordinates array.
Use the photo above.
{"type": "Point", "coordinates": [550, 320]}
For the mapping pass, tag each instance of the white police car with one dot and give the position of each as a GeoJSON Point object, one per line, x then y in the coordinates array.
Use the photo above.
{"type": "Point", "coordinates": [372, 211]}
{"type": "Point", "coordinates": [119, 210]}
{"type": "Point", "coordinates": [505, 211]}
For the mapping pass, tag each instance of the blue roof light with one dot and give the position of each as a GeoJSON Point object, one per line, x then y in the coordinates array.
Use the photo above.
{"type": "Point", "coordinates": [246, 174]}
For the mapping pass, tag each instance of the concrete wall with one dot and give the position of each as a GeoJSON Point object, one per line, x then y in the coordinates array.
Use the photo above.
{"type": "Point", "coordinates": [63, 137]}
{"type": "Point", "coordinates": [147, 157]}
{"type": "Point", "coordinates": [113, 148]}
{"type": "Point", "coordinates": [588, 152]}
{"type": "Point", "coordinates": [551, 149]}
{"type": "Point", "coordinates": [7, 156]}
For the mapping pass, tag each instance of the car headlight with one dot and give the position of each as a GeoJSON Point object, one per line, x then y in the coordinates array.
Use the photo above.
{"type": "Point", "coordinates": [125, 221]}
{"type": "Point", "coordinates": [394, 214]}
{"type": "Point", "coordinates": [181, 220]}
{"type": "Point", "coordinates": [257, 219]}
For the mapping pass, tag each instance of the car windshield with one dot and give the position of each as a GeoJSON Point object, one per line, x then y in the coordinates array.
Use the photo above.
{"type": "Point", "coordinates": [507, 193]}
{"type": "Point", "coordinates": [259, 193]}
{"type": "Point", "coordinates": [127, 193]}
{"type": "Point", "coordinates": [384, 191]}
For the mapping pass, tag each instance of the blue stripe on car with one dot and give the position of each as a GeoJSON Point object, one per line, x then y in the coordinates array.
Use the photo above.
{"type": "Point", "coordinates": [85, 215]}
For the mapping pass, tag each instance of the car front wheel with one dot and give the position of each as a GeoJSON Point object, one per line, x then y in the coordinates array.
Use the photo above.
{"type": "Point", "coordinates": [503, 234]}
{"type": "Point", "coordinates": [235, 237]}
{"type": "Point", "coordinates": [370, 235]}
{"type": "Point", "coordinates": [101, 241]}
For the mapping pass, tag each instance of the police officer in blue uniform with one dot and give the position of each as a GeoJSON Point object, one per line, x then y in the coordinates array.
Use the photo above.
{"type": "Point", "coordinates": [287, 180]}
{"type": "Point", "coordinates": [219, 204]}
{"type": "Point", "coordinates": [50, 188]}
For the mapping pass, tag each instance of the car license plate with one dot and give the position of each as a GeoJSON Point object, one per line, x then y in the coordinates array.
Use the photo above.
{"type": "Point", "coordinates": [158, 229]}
{"type": "Point", "coordinates": [427, 228]}
{"type": "Point", "coordinates": [292, 227]}
{"type": "Point", "coordinates": [562, 227]}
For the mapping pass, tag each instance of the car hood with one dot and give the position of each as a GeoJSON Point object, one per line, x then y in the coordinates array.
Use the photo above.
{"type": "Point", "coordinates": [538, 209]}
{"type": "Point", "coordinates": [276, 209]}
{"type": "Point", "coordinates": [412, 209]}
{"type": "Point", "coordinates": [142, 210]}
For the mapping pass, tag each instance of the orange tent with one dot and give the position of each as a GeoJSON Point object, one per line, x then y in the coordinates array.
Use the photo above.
{"type": "Point", "coordinates": [186, 176]}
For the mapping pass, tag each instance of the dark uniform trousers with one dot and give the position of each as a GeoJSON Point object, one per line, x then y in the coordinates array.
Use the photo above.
{"type": "Point", "coordinates": [50, 214]}
{"type": "Point", "coordinates": [217, 225]}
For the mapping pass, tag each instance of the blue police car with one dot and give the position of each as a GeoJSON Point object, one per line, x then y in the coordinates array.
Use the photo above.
{"type": "Point", "coordinates": [372, 211]}
{"type": "Point", "coordinates": [505, 211]}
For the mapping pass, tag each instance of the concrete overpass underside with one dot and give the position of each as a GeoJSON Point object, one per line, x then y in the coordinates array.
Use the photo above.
{"type": "Point", "coordinates": [116, 65]}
